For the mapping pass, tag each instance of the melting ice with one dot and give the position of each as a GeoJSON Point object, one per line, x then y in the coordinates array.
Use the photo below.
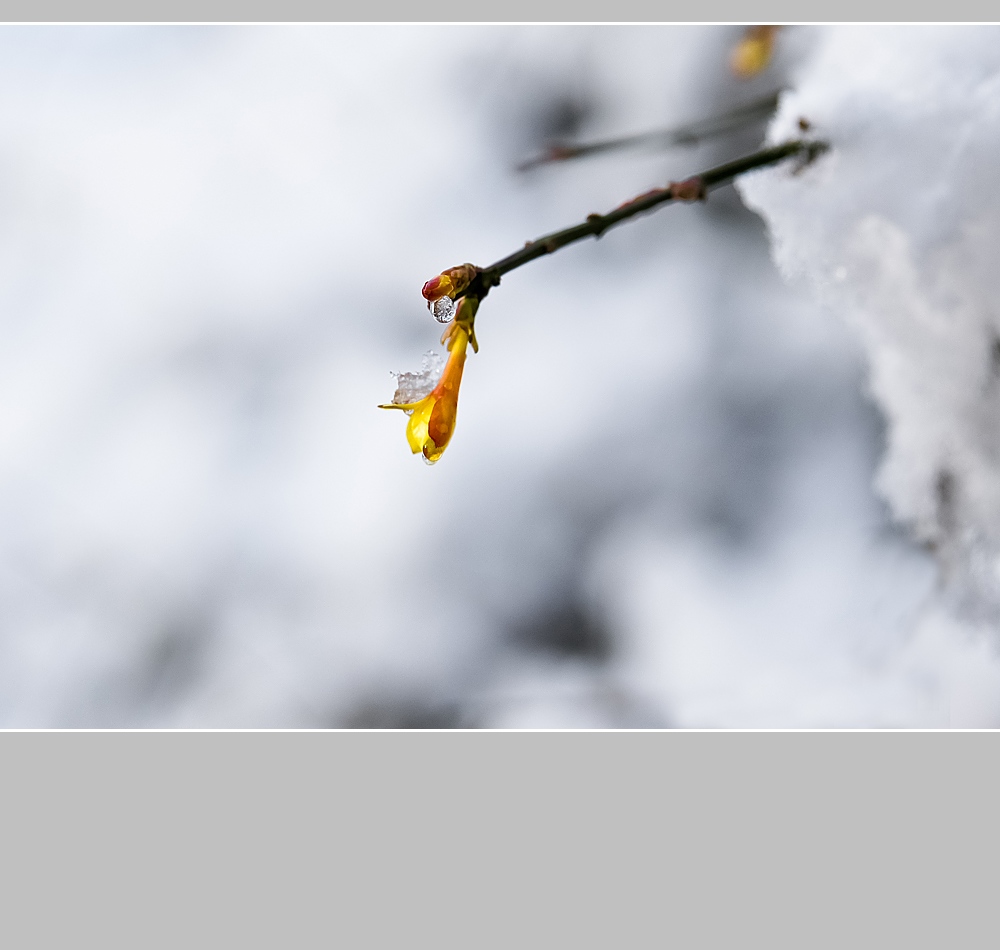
{"type": "Point", "coordinates": [412, 387]}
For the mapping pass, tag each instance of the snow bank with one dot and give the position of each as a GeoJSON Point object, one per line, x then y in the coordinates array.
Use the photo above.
{"type": "Point", "coordinates": [897, 229]}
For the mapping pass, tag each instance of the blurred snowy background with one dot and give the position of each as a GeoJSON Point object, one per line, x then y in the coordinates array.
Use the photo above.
{"type": "Point", "coordinates": [658, 507]}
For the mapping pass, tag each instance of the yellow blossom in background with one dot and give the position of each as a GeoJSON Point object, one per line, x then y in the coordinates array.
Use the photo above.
{"type": "Point", "coordinates": [432, 418]}
{"type": "Point", "coordinates": [754, 51]}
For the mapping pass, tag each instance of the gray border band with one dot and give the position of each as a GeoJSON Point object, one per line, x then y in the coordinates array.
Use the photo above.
{"type": "Point", "coordinates": [526, 11]}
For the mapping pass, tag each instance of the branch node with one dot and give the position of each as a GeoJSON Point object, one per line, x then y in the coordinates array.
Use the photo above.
{"type": "Point", "coordinates": [596, 222]}
{"type": "Point", "coordinates": [691, 189]}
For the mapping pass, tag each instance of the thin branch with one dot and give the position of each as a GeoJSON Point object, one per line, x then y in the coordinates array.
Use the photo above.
{"type": "Point", "coordinates": [691, 134]}
{"type": "Point", "coordinates": [692, 189]}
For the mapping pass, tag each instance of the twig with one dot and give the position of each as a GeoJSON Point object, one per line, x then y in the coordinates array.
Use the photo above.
{"type": "Point", "coordinates": [691, 189]}
{"type": "Point", "coordinates": [690, 134]}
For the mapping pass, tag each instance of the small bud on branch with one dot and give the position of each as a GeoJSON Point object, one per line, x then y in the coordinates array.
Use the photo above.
{"type": "Point", "coordinates": [449, 283]}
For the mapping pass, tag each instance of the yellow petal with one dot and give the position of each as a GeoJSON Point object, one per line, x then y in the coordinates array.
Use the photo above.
{"type": "Point", "coordinates": [432, 419]}
{"type": "Point", "coordinates": [416, 428]}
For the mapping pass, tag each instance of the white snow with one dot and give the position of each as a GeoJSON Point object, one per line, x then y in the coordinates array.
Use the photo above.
{"type": "Point", "coordinates": [897, 231]}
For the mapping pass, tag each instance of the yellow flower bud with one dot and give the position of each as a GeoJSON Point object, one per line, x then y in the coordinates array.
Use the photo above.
{"type": "Point", "coordinates": [450, 283]}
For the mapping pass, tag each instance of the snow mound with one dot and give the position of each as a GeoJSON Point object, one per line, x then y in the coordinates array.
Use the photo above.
{"type": "Point", "coordinates": [897, 229]}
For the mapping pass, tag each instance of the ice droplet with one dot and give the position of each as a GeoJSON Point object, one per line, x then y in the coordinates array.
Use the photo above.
{"type": "Point", "coordinates": [443, 309]}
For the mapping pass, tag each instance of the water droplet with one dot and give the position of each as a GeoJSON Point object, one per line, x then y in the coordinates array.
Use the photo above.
{"type": "Point", "coordinates": [443, 309]}
{"type": "Point", "coordinates": [428, 461]}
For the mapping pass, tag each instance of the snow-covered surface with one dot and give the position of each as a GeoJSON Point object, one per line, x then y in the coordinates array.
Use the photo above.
{"type": "Point", "coordinates": [897, 230]}
{"type": "Point", "coordinates": [657, 507]}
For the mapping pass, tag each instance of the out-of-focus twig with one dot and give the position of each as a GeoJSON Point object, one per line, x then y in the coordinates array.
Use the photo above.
{"type": "Point", "coordinates": [691, 134]}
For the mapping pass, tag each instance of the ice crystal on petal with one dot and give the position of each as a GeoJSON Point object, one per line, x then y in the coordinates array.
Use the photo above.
{"type": "Point", "coordinates": [412, 387]}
